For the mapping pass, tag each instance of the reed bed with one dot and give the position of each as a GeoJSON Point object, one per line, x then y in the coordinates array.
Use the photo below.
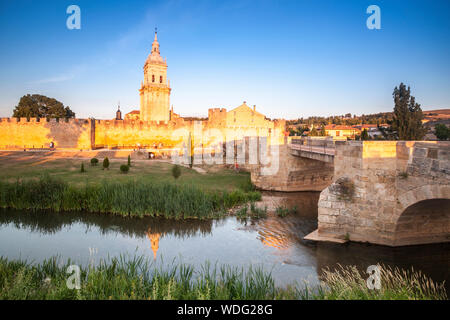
{"type": "Point", "coordinates": [132, 198]}
{"type": "Point", "coordinates": [136, 278]}
{"type": "Point", "coordinates": [347, 283]}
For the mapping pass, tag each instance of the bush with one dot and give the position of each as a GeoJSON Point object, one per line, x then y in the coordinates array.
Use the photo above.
{"type": "Point", "coordinates": [82, 168]}
{"type": "Point", "coordinates": [94, 161]}
{"type": "Point", "coordinates": [106, 163]}
{"type": "Point", "coordinates": [344, 188]}
{"type": "Point", "coordinates": [176, 171]}
{"type": "Point", "coordinates": [442, 132]}
{"type": "Point", "coordinates": [124, 168]}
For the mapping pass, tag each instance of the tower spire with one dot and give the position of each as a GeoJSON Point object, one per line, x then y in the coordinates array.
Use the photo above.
{"type": "Point", "coordinates": [155, 44]}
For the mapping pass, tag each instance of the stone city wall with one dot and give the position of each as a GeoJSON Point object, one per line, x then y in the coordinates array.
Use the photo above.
{"type": "Point", "coordinates": [23, 133]}
{"type": "Point", "coordinates": [20, 133]}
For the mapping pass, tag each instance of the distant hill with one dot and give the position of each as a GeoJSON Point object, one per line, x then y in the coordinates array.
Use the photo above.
{"type": "Point", "coordinates": [443, 113]}
{"type": "Point", "coordinates": [433, 117]}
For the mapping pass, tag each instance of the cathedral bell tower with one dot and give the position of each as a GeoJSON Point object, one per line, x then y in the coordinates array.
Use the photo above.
{"type": "Point", "coordinates": [155, 89]}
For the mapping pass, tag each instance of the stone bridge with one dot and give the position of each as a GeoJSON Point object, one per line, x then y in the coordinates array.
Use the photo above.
{"type": "Point", "coordinates": [385, 192]}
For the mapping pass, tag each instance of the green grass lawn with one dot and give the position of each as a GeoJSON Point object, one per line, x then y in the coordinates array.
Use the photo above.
{"type": "Point", "coordinates": [149, 171]}
{"type": "Point", "coordinates": [149, 188]}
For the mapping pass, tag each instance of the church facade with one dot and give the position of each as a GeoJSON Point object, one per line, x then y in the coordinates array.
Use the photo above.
{"type": "Point", "coordinates": [154, 123]}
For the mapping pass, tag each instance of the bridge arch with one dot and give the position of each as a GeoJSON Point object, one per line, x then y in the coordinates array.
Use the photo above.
{"type": "Point", "coordinates": [426, 192]}
{"type": "Point", "coordinates": [423, 216]}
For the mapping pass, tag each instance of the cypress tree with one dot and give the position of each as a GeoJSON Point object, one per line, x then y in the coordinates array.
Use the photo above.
{"type": "Point", "coordinates": [364, 135]}
{"type": "Point", "coordinates": [407, 121]}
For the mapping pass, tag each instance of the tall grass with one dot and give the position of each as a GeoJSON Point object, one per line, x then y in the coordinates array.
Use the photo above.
{"type": "Point", "coordinates": [132, 198]}
{"type": "Point", "coordinates": [347, 283]}
{"type": "Point", "coordinates": [136, 278]}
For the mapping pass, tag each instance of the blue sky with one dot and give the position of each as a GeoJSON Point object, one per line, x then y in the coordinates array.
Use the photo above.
{"type": "Point", "coordinates": [289, 58]}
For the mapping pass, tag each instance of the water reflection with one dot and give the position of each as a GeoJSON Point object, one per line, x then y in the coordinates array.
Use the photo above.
{"type": "Point", "coordinates": [275, 243]}
{"type": "Point", "coordinates": [50, 223]}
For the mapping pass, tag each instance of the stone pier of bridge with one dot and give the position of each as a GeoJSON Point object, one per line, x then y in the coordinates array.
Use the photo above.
{"type": "Point", "coordinates": [388, 192]}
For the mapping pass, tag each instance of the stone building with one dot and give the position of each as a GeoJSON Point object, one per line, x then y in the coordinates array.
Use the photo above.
{"type": "Point", "coordinates": [155, 122]}
{"type": "Point", "coordinates": [155, 89]}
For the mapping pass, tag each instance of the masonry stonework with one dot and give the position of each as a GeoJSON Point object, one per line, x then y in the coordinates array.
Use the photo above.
{"type": "Point", "coordinates": [39, 133]}
{"type": "Point", "coordinates": [375, 185]}
{"type": "Point", "coordinates": [294, 173]}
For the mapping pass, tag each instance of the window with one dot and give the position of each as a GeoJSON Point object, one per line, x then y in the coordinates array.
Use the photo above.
{"type": "Point", "coordinates": [338, 133]}
{"type": "Point", "coordinates": [160, 79]}
{"type": "Point", "coordinates": [153, 78]}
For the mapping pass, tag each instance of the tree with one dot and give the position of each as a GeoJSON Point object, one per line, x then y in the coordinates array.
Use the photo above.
{"type": "Point", "coordinates": [364, 135]}
{"type": "Point", "coordinates": [323, 133]}
{"type": "Point", "coordinates": [129, 161]}
{"type": "Point", "coordinates": [94, 161]}
{"type": "Point", "coordinates": [313, 132]}
{"type": "Point", "coordinates": [82, 168]}
{"type": "Point", "coordinates": [176, 171]}
{"type": "Point", "coordinates": [442, 132]}
{"type": "Point", "coordinates": [407, 120]}
{"type": "Point", "coordinates": [106, 163]}
{"type": "Point", "coordinates": [40, 106]}
{"type": "Point", "coordinates": [191, 150]}
{"type": "Point", "coordinates": [124, 168]}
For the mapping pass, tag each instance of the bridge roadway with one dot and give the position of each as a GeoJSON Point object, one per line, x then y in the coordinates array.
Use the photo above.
{"type": "Point", "coordinates": [324, 152]}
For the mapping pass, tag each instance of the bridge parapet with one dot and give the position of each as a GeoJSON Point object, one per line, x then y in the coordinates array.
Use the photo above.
{"type": "Point", "coordinates": [316, 148]}
{"type": "Point", "coordinates": [375, 181]}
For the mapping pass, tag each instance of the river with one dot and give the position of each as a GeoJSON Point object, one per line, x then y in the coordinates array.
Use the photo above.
{"type": "Point", "coordinates": [273, 243]}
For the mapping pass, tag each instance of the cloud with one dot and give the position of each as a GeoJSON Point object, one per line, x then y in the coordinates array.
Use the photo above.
{"type": "Point", "coordinates": [60, 78]}
{"type": "Point", "coordinates": [69, 75]}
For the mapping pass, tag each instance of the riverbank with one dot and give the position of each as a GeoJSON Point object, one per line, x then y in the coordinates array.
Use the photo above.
{"type": "Point", "coordinates": [45, 182]}
{"type": "Point", "coordinates": [136, 278]}
{"type": "Point", "coordinates": [134, 198]}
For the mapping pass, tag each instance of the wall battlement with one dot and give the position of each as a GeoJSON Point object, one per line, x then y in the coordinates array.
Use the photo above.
{"type": "Point", "coordinates": [23, 133]}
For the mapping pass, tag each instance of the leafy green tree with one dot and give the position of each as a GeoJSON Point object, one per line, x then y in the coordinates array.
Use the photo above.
{"type": "Point", "coordinates": [407, 120]}
{"type": "Point", "coordinates": [176, 171]}
{"type": "Point", "coordinates": [94, 161]}
{"type": "Point", "coordinates": [364, 135]}
{"type": "Point", "coordinates": [442, 132]}
{"type": "Point", "coordinates": [322, 131]}
{"type": "Point", "coordinates": [40, 106]}
{"type": "Point", "coordinates": [313, 132]}
{"type": "Point", "coordinates": [106, 163]}
{"type": "Point", "coordinates": [124, 168]}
